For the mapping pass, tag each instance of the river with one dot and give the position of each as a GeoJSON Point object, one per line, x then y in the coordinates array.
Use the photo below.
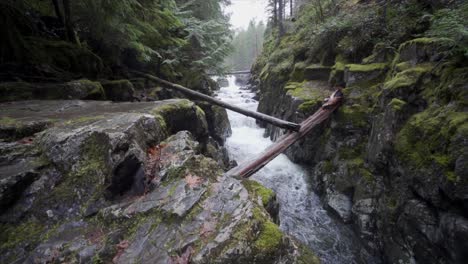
{"type": "Point", "coordinates": [301, 212]}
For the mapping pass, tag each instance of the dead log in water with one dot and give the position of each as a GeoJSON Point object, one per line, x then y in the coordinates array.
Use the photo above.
{"type": "Point", "coordinates": [266, 118]}
{"type": "Point", "coordinates": [250, 167]}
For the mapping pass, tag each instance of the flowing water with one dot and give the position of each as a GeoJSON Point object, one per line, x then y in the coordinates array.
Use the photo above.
{"type": "Point", "coordinates": [301, 212]}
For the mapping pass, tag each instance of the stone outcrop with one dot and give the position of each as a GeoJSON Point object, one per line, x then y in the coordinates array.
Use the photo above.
{"type": "Point", "coordinates": [129, 182]}
{"type": "Point", "coordinates": [392, 160]}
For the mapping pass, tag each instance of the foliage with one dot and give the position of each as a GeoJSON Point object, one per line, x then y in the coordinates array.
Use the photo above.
{"type": "Point", "coordinates": [452, 24]}
{"type": "Point", "coordinates": [172, 37]}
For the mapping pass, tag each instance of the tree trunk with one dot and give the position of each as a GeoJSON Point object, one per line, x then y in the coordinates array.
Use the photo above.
{"type": "Point", "coordinates": [291, 8]}
{"type": "Point", "coordinates": [280, 18]}
{"type": "Point", "coordinates": [69, 28]}
{"type": "Point", "coordinates": [275, 12]}
{"type": "Point", "coordinates": [251, 166]}
{"type": "Point", "coordinates": [58, 11]}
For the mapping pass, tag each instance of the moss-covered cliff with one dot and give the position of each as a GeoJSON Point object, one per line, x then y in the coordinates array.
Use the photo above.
{"type": "Point", "coordinates": [395, 154]}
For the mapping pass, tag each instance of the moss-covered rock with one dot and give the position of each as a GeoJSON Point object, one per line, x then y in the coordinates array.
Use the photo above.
{"type": "Point", "coordinates": [310, 94]}
{"type": "Point", "coordinates": [78, 89]}
{"type": "Point", "coordinates": [364, 74]}
{"type": "Point", "coordinates": [424, 49]}
{"type": "Point", "coordinates": [429, 137]}
{"type": "Point", "coordinates": [119, 90]}
{"type": "Point", "coordinates": [408, 79]}
{"type": "Point", "coordinates": [317, 72]}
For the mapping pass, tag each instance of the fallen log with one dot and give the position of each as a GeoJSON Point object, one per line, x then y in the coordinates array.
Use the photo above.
{"type": "Point", "coordinates": [266, 118]}
{"type": "Point", "coordinates": [250, 167]}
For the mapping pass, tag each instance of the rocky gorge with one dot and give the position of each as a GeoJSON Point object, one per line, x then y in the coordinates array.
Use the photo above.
{"type": "Point", "coordinates": [392, 162]}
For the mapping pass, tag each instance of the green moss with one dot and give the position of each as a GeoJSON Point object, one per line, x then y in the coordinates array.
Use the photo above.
{"type": "Point", "coordinates": [440, 42]}
{"type": "Point", "coordinates": [328, 167]}
{"type": "Point", "coordinates": [357, 165]}
{"type": "Point", "coordinates": [12, 235]}
{"type": "Point", "coordinates": [90, 173]}
{"type": "Point", "coordinates": [297, 74]}
{"type": "Point", "coordinates": [355, 114]}
{"type": "Point", "coordinates": [312, 96]}
{"type": "Point", "coordinates": [425, 139]}
{"type": "Point", "coordinates": [269, 239]}
{"type": "Point", "coordinates": [403, 66]}
{"type": "Point", "coordinates": [408, 78]}
{"type": "Point", "coordinates": [7, 121]}
{"type": "Point", "coordinates": [397, 104]}
{"type": "Point", "coordinates": [256, 189]}
{"type": "Point", "coordinates": [366, 67]}
{"type": "Point", "coordinates": [307, 256]}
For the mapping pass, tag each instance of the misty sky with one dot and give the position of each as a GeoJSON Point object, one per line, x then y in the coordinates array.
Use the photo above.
{"type": "Point", "coordinates": [242, 11]}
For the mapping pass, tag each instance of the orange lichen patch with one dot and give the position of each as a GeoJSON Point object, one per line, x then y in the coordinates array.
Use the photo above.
{"type": "Point", "coordinates": [184, 258]}
{"type": "Point", "coordinates": [120, 250]}
{"type": "Point", "coordinates": [208, 229]}
{"type": "Point", "coordinates": [95, 236]}
{"type": "Point", "coordinates": [153, 163]}
{"type": "Point", "coordinates": [193, 181]}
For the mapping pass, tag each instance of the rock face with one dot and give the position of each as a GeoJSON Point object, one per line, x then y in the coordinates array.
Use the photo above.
{"type": "Point", "coordinates": [79, 89]}
{"type": "Point", "coordinates": [106, 182]}
{"type": "Point", "coordinates": [392, 160]}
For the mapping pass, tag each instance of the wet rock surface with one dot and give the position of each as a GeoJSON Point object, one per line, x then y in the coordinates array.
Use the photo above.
{"type": "Point", "coordinates": [106, 182]}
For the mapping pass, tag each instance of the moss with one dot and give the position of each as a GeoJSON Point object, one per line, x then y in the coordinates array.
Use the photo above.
{"type": "Point", "coordinates": [270, 238]}
{"type": "Point", "coordinates": [7, 121]}
{"type": "Point", "coordinates": [355, 114]}
{"type": "Point", "coordinates": [90, 173]}
{"type": "Point", "coordinates": [357, 165]}
{"type": "Point", "coordinates": [439, 42]}
{"type": "Point", "coordinates": [426, 138]}
{"type": "Point", "coordinates": [408, 78]}
{"type": "Point", "coordinates": [403, 66]}
{"type": "Point", "coordinates": [328, 167]}
{"type": "Point", "coordinates": [307, 256]}
{"type": "Point", "coordinates": [397, 104]}
{"type": "Point", "coordinates": [312, 96]}
{"type": "Point", "coordinates": [366, 67]}
{"type": "Point", "coordinates": [12, 235]}
{"type": "Point", "coordinates": [256, 189]}
{"type": "Point", "coordinates": [297, 74]}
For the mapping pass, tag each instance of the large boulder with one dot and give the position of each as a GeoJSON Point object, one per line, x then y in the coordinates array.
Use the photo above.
{"type": "Point", "coordinates": [104, 182]}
